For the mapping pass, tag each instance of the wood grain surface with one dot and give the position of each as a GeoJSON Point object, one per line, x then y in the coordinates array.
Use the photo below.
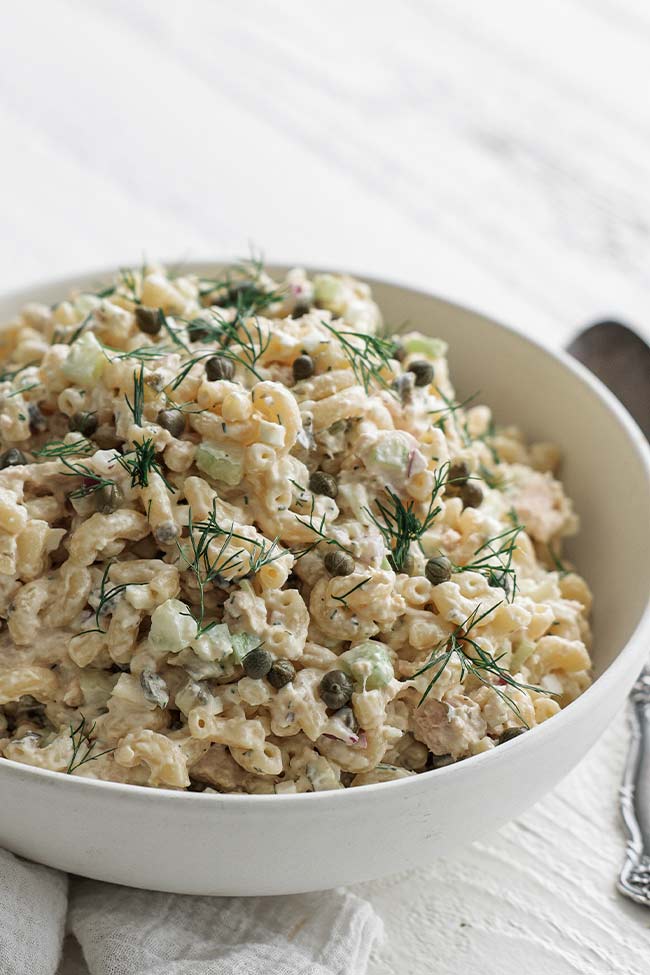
{"type": "Point", "coordinates": [497, 153]}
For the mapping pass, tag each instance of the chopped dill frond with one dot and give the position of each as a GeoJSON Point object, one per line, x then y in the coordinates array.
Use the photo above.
{"type": "Point", "coordinates": [137, 405]}
{"type": "Point", "coordinates": [368, 355]}
{"type": "Point", "coordinates": [207, 568]}
{"type": "Point", "coordinates": [318, 528]}
{"type": "Point", "coordinates": [23, 389]}
{"type": "Point", "coordinates": [92, 481]}
{"type": "Point", "coordinates": [58, 449]}
{"type": "Point", "coordinates": [81, 739]}
{"type": "Point", "coordinates": [10, 374]}
{"type": "Point", "coordinates": [106, 597]}
{"type": "Point", "coordinates": [558, 563]}
{"type": "Point", "coordinates": [239, 288]}
{"type": "Point", "coordinates": [474, 660]}
{"type": "Point", "coordinates": [493, 560]}
{"type": "Point", "coordinates": [139, 463]}
{"type": "Point", "coordinates": [146, 353]}
{"type": "Point", "coordinates": [342, 598]}
{"type": "Point", "coordinates": [400, 526]}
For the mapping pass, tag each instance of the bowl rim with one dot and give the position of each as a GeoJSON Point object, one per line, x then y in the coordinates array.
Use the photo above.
{"type": "Point", "coordinates": [539, 733]}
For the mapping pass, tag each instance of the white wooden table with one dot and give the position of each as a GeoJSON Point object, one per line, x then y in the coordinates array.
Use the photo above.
{"type": "Point", "coordinates": [496, 152]}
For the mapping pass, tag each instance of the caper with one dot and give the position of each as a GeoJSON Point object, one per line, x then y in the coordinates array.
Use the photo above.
{"type": "Point", "coordinates": [84, 423]}
{"type": "Point", "coordinates": [241, 290]}
{"type": "Point", "coordinates": [166, 533]}
{"type": "Point", "coordinates": [257, 663]}
{"type": "Point", "coordinates": [12, 458]}
{"type": "Point", "coordinates": [509, 734]}
{"type": "Point", "coordinates": [282, 672]}
{"type": "Point", "coordinates": [399, 352]}
{"type": "Point", "coordinates": [303, 367]}
{"type": "Point", "coordinates": [348, 717]}
{"type": "Point", "coordinates": [234, 294]}
{"type": "Point", "coordinates": [218, 367]}
{"type": "Point", "coordinates": [471, 494]}
{"type": "Point", "coordinates": [37, 422]}
{"type": "Point", "coordinates": [322, 483]}
{"type": "Point", "coordinates": [173, 421]}
{"type": "Point", "coordinates": [403, 386]}
{"type": "Point", "coordinates": [440, 761]}
{"type": "Point", "coordinates": [198, 330]}
{"type": "Point", "coordinates": [336, 689]}
{"type": "Point", "coordinates": [300, 308]}
{"type": "Point", "coordinates": [154, 688]}
{"type": "Point", "coordinates": [108, 498]}
{"type": "Point", "coordinates": [423, 372]}
{"type": "Point", "coordinates": [438, 570]}
{"type": "Point", "coordinates": [499, 580]}
{"type": "Point", "coordinates": [148, 320]}
{"type": "Point", "coordinates": [339, 563]}
{"type": "Point", "coordinates": [458, 473]}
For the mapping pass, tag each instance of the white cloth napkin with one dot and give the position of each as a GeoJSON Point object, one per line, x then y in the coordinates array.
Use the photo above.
{"type": "Point", "coordinates": [135, 932]}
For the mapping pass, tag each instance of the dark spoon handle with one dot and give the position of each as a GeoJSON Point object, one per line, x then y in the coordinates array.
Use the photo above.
{"type": "Point", "coordinates": [621, 359]}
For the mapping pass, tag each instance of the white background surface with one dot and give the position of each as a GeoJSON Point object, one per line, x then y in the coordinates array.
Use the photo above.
{"type": "Point", "coordinates": [497, 153]}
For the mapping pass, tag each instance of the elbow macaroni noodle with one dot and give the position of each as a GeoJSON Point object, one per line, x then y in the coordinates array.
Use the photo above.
{"type": "Point", "coordinates": [202, 479]}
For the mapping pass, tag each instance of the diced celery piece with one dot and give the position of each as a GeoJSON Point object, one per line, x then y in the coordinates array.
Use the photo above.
{"type": "Point", "coordinates": [220, 463]}
{"type": "Point", "coordinates": [520, 655]}
{"type": "Point", "coordinates": [96, 686]}
{"type": "Point", "coordinates": [172, 627]}
{"type": "Point", "coordinates": [86, 360]}
{"type": "Point", "coordinates": [214, 644]}
{"type": "Point", "coordinates": [369, 664]}
{"type": "Point", "coordinates": [329, 292]}
{"type": "Point", "coordinates": [243, 643]}
{"type": "Point", "coordinates": [435, 348]}
{"type": "Point", "coordinates": [192, 695]}
{"type": "Point", "coordinates": [391, 451]}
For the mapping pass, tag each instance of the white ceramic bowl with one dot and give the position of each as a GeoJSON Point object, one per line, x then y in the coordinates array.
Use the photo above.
{"type": "Point", "coordinates": [232, 844]}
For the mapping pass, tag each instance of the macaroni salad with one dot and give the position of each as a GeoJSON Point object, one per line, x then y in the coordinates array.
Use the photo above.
{"type": "Point", "coordinates": [250, 542]}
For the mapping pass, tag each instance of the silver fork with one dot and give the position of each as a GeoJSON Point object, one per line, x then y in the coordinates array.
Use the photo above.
{"type": "Point", "coordinates": [634, 878]}
{"type": "Point", "coordinates": [621, 359]}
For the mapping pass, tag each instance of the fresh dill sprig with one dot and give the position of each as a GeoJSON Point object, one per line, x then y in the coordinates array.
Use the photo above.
{"type": "Point", "coordinates": [80, 328]}
{"type": "Point", "coordinates": [344, 596]}
{"type": "Point", "coordinates": [128, 282]}
{"type": "Point", "coordinates": [240, 342]}
{"type": "Point", "coordinates": [493, 479]}
{"type": "Point", "coordinates": [10, 374]}
{"type": "Point", "coordinates": [207, 568]}
{"type": "Point", "coordinates": [173, 334]}
{"type": "Point", "coordinates": [145, 353]}
{"type": "Point", "coordinates": [137, 405]}
{"type": "Point", "coordinates": [368, 355]}
{"type": "Point", "coordinates": [474, 660]}
{"type": "Point", "coordinates": [23, 389]}
{"type": "Point", "coordinates": [106, 597]}
{"type": "Point", "coordinates": [92, 481]}
{"type": "Point", "coordinates": [318, 528]}
{"type": "Point", "coordinates": [58, 449]}
{"type": "Point", "coordinates": [239, 288]}
{"type": "Point", "coordinates": [558, 563]}
{"type": "Point", "coordinates": [493, 560]}
{"type": "Point", "coordinates": [81, 739]}
{"type": "Point", "coordinates": [139, 463]}
{"type": "Point", "coordinates": [248, 339]}
{"type": "Point", "coordinates": [486, 437]}
{"type": "Point", "coordinates": [400, 526]}
{"type": "Point", "coordinates": [449, 410]}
